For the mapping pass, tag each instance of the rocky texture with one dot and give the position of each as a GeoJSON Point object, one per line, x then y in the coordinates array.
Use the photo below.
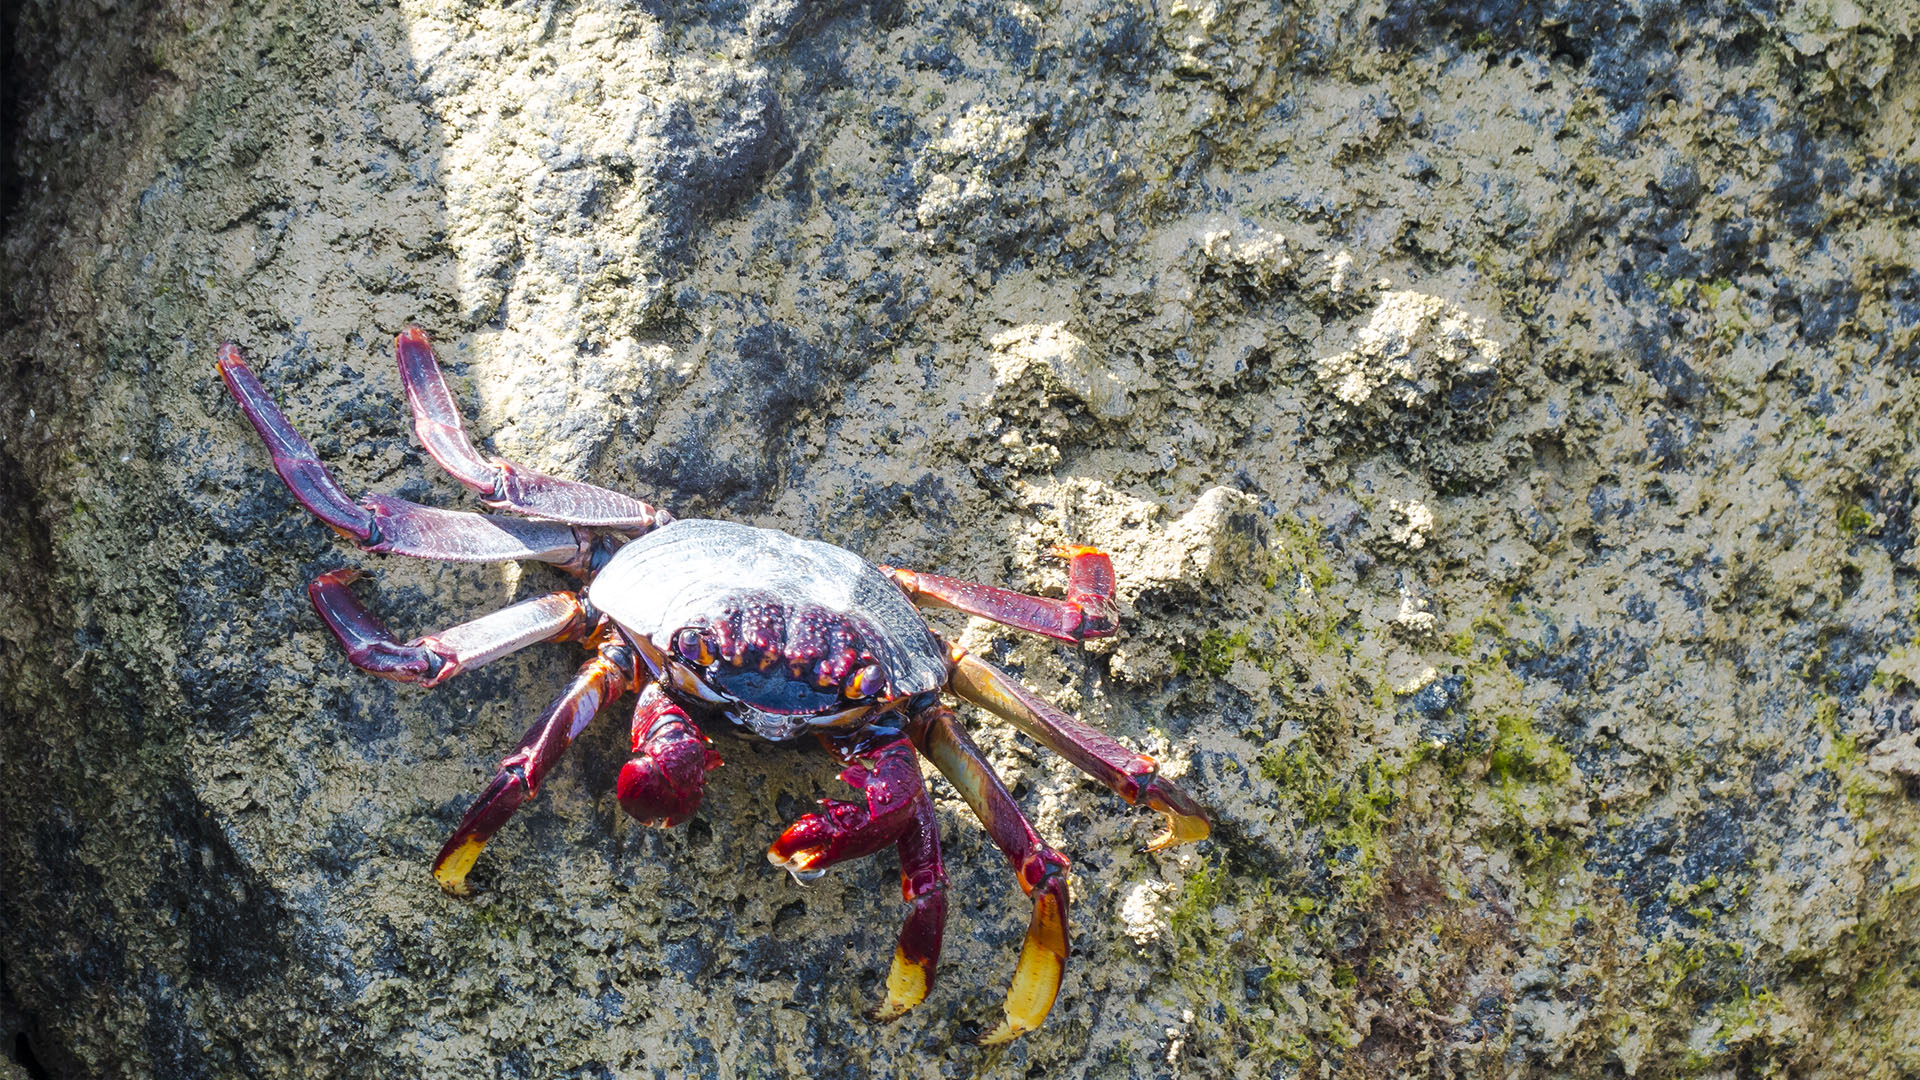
{"type": "Point", "coordinates": [1502, 417]}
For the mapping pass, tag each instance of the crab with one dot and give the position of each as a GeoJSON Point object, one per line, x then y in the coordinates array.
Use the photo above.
{"type": "Point", "coordinates": [711, 622]}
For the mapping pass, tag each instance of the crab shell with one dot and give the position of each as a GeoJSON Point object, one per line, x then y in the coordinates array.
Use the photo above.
{"type": "Point", "coordinates": [693, 572]}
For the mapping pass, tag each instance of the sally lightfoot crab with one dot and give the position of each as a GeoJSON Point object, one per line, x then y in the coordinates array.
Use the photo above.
{"type": "Point", "coordinates": [707, 622]}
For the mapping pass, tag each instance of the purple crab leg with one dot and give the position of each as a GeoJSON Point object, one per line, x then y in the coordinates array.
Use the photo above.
{"type": "Point", "coordinates": [1132, 776]}
{"type": "Point", "coordinates": [897, 811]}
{"type": "Point", "coordinates": [500, 483]}
{"type": "Point", "coordinates": [434, 659]}
{"type": "Point", "coordinates": [1042, 871]}
{"type": "Point", "coordinates": [1087, 612]}
{"type": "Point", "coordinates": [601, 679]}
{"type": "Point", "coordinates": [386, 525]}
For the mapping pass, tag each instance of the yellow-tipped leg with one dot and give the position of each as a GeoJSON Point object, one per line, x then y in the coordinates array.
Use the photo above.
{"type": "Point", "coordinates": [450, 870]}
{"type": "Point", "coordinates": [1182, 826]}
{"type": "Point", "coordinates": [907, 985]}
{"type": "Point", "coordinates": [1043, 962]}
{"type": "Point", "coordinates": [1134, 776]}
{"type": "Point", "coordinates": [599, 680]}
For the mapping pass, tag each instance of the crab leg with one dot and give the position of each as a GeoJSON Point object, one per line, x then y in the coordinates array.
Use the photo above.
{"type": "Point", "coordinates": [1042, 871]}
{"type": "Point", "coordinates": [898, 812]}
{"type": "Point", "coordinates": [923, 885]}
{"type": "Point", "coordinates": [599, 680]}
{"type": "Point", "coordinates": [1132, 776]}
{"type": "Point", "coordinates": [1087, 612]}
{"type": "Point", "coordinates": [381, 523]}
{"type": "Point", "coordinates": [500, 483]}
{"type": "Point", "coordinates": [434, 659]}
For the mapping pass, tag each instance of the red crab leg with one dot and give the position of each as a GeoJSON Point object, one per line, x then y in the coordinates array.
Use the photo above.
{"type": "Point", "coordinates": [898, 812]}
{"type": "Point", "coordinates": [663, 781]}
{"type": "Point", "coordinates": [1132, 776]}
{"type": "Point", "coordinates": [434, 659]}
{"type": "Point", "coordinates": [1042, 870]}
{"type": "Point", "coordinates": [500, 483]}
{"type": "Point", "coordinates": [599, 680]}
{"type": "Point", "coordinates": [923, 885]}
{"type": "Point", "coordinates": [1087, 612]}
{"type": "Point", "coordinates": [384, 524]}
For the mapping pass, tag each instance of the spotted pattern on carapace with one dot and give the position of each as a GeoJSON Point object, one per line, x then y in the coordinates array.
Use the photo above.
{"type": "Point", "coordinates": [824, 631]}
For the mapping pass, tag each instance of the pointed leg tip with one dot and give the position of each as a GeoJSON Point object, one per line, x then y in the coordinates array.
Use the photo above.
{"type": "Point", "coordinates": [1182, 819]}
{"type": "Point", "coordinates": [1043, 965]}
{"type": "Point", "coordinates": [231, 363]}
{"type": "Point", "coordinates": [1177, 832]}
{"type": "Point", "coordinates": [346, 575]}
{"type": "Point", "coordinates": [453, 886]}
{"type": "Point", "coordinates": [450, 869]}
{"type": "Point", "coordinates": [908, 981]}
{"type": "Point", "coordinates": [1001, 1034]}
{"type": "Point", "coordinates": [889, 1011]}
{"type": "Point", "coordinates": [1163, 840]}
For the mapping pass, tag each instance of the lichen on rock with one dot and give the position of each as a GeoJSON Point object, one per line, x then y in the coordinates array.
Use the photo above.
{"type": "Point", "coordinates": [1414, 351]}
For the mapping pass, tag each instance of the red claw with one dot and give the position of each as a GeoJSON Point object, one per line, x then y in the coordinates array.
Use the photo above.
{"type": "Point", "coordinates": [850, 830]}
{"type": "Point", "coordinates": [663, 782]}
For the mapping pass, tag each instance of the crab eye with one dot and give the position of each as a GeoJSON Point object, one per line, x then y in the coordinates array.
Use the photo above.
{"type": "Point", "coordinates": [693, 647]}
{"type": "Point", "coordinates": [868, 682]}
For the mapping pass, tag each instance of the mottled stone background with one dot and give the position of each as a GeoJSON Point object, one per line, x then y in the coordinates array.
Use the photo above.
{"type": "Point", "coordinates": [1502, 415]}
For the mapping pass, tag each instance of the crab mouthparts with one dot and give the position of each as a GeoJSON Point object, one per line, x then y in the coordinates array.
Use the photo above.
{"type": "Point", "coordinates": [773, 692]}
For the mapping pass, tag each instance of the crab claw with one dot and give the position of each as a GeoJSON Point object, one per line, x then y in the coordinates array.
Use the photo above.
{"type": "Point", "coordinates": [843, 831]}
{"type": "Point", "coordinates": [847, 830]}
{"type": "Point", "coordinates": [663, 781]}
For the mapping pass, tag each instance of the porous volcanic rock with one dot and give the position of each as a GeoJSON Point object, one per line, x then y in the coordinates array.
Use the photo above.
{"type": "Point", "coordinates": [1502, 417]}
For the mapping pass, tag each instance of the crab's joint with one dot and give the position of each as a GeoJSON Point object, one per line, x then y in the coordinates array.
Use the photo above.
{"type": "Point", "coordinates": [1043, 962]}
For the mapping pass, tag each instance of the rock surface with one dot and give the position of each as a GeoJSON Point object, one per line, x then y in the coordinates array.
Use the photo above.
{"type": "Point", "coordinates": [1502, 416]}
